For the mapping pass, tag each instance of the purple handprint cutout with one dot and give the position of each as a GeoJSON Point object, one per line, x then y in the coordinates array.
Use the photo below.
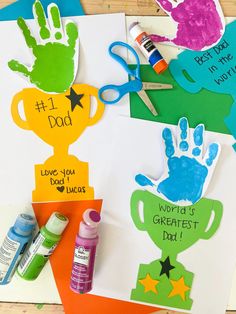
{"type": "Point", "coordinates": [200, 23]}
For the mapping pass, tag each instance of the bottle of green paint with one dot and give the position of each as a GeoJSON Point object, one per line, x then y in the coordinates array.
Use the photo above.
{"type": "Point", "coordinates": [42, 247]}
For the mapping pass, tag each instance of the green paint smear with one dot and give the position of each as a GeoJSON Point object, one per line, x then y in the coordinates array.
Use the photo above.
{"type": "Point", "coordinates": [55, 16]}
{"type": "Point", "coordinates": [58, 35]}
{"type": "Point", "coordinates": [72, 31]}
{"type": "Point", "coordinates": [30, 40]}
{"type": "Point", "coordinates": [44, 31]}
{"type": "Point", "coordinates": [54, 66]}
{"type": "Point", "coordinates": [40, 306]}
{"type": "Point", "coordinates": [53, 69]}
{"type": "Point", "coordinates": [204, 107]}
{"type": "Point", "coordinates": [16, 66]}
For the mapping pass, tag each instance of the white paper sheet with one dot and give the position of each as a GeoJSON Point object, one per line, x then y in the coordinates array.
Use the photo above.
{"type": "Point", "coordinates": [21, 150]}
{"type": "Point", "coordinates": [138, 148]}
{"type": "Point", "coordinates": [154, 24]}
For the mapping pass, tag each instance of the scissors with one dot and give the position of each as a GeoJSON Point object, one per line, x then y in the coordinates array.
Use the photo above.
{"type": "Point", "coordinates": [135, 85]}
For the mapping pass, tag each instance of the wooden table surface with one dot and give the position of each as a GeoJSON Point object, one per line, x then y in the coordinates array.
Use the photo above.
{"type": "Point", "coordinates": [133, 7]}
{"type": "Point", "coordinates": [22, 308]}
{"type": "Point", "coordinates": [130, 7]}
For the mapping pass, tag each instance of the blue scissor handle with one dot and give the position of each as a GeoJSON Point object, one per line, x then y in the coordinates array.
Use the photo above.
{"type": "Point", "coordinates": [121, 90]}
{"type": "Point", "coordinates": [132, 86]}
{"type": "Point", "coordinates": [136, 72]}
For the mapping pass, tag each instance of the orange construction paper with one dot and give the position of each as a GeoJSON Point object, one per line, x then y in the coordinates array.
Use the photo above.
{"type": "Point", "coordinates": [61, 262]}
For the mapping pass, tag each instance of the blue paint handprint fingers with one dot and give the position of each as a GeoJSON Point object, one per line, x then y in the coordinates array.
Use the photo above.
{"type": "Point", "coordinates": [185, 142]}
{"type": "Point", "coordinates": [169, 143]}
{"type": "Point", "coordinates": [170, 149]}
{"type": "Point", "coordinates": [187, 173]}
{"type": "Point", "coordinates": [142, 180]}
{"type": "Point", "coordinates": [212, 154]}
{"type": "Point", "coordinates": [198, 137]}
{"type": "Point", "coordinates": [183, 135]}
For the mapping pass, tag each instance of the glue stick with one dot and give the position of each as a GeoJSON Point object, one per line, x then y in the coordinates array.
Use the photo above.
{"type": "Point", "coordinates": [85, 250]}
{"type": "Point", "coordinates": [148, 48]}
{"type": "Point", "coordinates": [42, 247]}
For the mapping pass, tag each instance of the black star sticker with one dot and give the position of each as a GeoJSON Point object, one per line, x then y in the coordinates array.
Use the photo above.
{"type": "Point", "coordinates": [75, 99]}
{"type": "Point", "coordinates": [166, 267]}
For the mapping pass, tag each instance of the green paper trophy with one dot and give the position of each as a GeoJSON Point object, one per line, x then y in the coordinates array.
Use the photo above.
{"type": "Point", "coordinates": [175, 216]}
{"type": "Point", "coordinates": [173, 229]}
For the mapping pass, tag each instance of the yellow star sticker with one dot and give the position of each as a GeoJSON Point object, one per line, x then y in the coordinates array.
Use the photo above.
{"type": "Point", "coordinates": [149, 284]}
{"type": "Point", "coordinates": [179, 288]}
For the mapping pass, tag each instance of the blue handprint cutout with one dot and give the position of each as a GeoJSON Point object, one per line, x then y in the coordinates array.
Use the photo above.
{"type": "Point", "coordinates": [188, 173]}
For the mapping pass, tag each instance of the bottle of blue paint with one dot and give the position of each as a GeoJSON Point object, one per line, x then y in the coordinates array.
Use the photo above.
{"type": "Point", "coordinates": [14, 245]}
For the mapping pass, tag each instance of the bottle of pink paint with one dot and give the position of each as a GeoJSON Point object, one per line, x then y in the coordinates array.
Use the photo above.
{"type": "Point", "coordinates": [85, 251]}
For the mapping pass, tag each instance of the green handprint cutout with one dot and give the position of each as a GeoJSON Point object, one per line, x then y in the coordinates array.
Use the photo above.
{"type": "Point", "coordinates": [55, 58]}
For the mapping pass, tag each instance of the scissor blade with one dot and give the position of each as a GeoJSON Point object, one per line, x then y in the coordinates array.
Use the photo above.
{"type": "Point", "coordinates": [153, 86]}
{"type": "Point", "coordinates": [143, 95]}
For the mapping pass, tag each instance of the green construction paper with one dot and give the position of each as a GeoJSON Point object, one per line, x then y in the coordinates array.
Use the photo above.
{"type": "Point", "coordinates": [204, 107]}
{"type": "Point", "coordinates": [164, 287]}
{"type": "Point", "coordinates": [54, 66]}
{"type": "Point", "coordinates": [173, 229]}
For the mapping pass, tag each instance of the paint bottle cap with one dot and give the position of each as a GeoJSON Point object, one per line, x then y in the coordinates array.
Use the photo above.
{"type": "Point", "coordinates": [89, 227]}
{"type": "Point", "coordinates": [91, 217]}
{"type": "Point", "coordinates": [24, 225]}
{"type": "Point", "coordinates": [57, 223]}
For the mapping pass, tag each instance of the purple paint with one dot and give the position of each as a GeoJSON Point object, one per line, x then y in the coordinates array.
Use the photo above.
{"type": "Point", "coordinates": [94, 216]}
{"type": "Point", "coordinates": [200, 23]}
{"type": "Point", "coordinates": [85, 251]}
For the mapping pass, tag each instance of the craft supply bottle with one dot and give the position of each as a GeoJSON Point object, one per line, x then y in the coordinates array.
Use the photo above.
{"type": "Point", "coordinates": [148, 48]}
{"type": "Point", "coordinates": [14, 245]}
{"type": "Point", "coordinates": [85, 251]}
{"type": "Point", "coordinates": [42, 247]}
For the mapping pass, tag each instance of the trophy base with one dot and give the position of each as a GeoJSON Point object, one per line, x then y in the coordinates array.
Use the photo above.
{"type": "Point", "coordinates": [63, 179]}
{"type": "Point", "coordinates": [159, 286]}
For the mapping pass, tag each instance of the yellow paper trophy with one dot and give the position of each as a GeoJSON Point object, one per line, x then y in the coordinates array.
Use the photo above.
{"type": "Point", "coordinates": [59, 120]}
